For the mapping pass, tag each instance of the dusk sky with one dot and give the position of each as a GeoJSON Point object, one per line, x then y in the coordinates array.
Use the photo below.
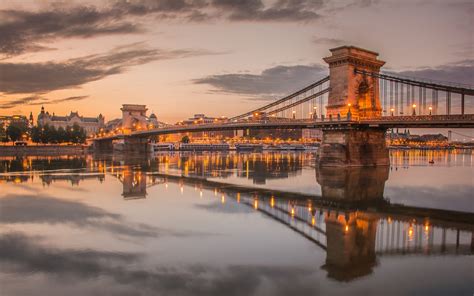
{"type": "Point", "coordinates": [218, 57]}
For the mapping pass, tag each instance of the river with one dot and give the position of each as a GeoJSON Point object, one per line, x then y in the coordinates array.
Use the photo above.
{"type": "Point", "coordinates": [236, 224]}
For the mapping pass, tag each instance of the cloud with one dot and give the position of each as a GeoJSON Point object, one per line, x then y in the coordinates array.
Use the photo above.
{"type": "Point", "coordinates": [20, 31]}
{"type": "Point", "coordinates": [457, 72]}
{"type": "Point", "coordinates": [328, 41]}
{"type": "Point", "coordinates": [72, 73]}
{"type": "Point", "coordinates": [21, 101]}
{"type": "Point", "coordinates": [38, 100]}
{"type": "Point", "coordinates": [49, 210]}
{"type": "Point", "coordinates": [68, 99]}
{"type": "Point", "coordinates": [22, 254]}
{"type": "Point", "coordinates": [23, 31]}
{"type": "Point", "coordinates": [230, 207]}
{"type": "Point", "coordinates": [450, 197]}
{"type": "Point", "coordinates": [281, 80]}
{"type": "Point", "coordinates": [281, 10]}
{"type": "Point", "coordinates": [275, 81]}
{"type": "Point", "coordinates": [231, 10]}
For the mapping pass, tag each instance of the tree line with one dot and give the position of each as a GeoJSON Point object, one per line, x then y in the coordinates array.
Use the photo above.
{"type": "Point", "coordinates": [42, 134]}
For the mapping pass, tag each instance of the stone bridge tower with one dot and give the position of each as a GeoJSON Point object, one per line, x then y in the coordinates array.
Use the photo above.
{"type": "Point", "coordinates": [133, 117]}
{"type": "Point", "coordinates": [354, 144]}
{"type": "Point", "coordinates": [347, 87]}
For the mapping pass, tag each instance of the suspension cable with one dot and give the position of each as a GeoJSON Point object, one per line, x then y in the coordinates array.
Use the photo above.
{"type": "Point", "coordinates": [285, 99]}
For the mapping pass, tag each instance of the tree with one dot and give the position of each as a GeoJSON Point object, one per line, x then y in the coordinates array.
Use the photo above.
{"type": "Point", "coordinates": [14, 132]}
{"type": "Point", "coordinates": [44, 134]}
{"type": "Point", "coordinates": [35, 133]}
{"type": "Point", "coordinates": [49, 134]}
{"type": "Point", "coordinates": [78, 134]}
{"type": "Point", "coordinates": [52, 135]}
{"type": "Point", "coordinates": [61, 135]}
{"type": "Point", "coordinates": [68, 135]}
{"type": "Point", "coordinates": [3, 133]}
{"type": "Point", "coordinates": [185, 139]}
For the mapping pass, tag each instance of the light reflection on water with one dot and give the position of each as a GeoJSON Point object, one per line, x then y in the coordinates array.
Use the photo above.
{"type": "Point", "coordinates": [236, 224]}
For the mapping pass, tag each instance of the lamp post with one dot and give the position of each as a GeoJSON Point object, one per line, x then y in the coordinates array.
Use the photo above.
{"type": "Point", "coordinates": [349, 114]}
{"type": "Point", "coordinates": [414, 110]}
{"type": "Point", "coordinates": [391, 111]}
{"type": "Point", "coordinates": [431, 109]}
{"type": "Point", "coordinates": [315, 112]}
{"type": "Point", "coordinates": [294, 114]}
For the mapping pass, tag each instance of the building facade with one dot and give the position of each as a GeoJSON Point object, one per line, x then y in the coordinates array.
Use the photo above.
{"type": "Point", "coordinates": [90, 124]}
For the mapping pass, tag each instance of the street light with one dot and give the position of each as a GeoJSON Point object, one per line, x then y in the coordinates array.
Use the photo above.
{"type": "Point", "coordinates": [391, 111]}
{"type": "Point", "coordinates": [349, 114]}
{"type": "Point", "coordinates": [414, 110]}
{"type": "Point", "coordinates": [431, 109]}
{"type": "Point", "coordinates": [294, 114]}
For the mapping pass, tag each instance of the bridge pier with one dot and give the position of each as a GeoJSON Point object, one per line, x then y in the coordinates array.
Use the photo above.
{"type": "Point", "coordinates": [350, 251]}
{"type": "Point", "coordinates": [102, 146]}
{"type": "Point", "coordinates": [352, 184]}
{"type": "Point", "coordinates": [353, 146]}
{"type": "Point", "coordinates": [136, 145]}
{"type": "Point", "coordinates": [134, 184]}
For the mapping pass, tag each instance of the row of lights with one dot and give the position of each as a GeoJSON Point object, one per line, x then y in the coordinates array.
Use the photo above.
{"type": "Point", "coordinates": [414, 110]}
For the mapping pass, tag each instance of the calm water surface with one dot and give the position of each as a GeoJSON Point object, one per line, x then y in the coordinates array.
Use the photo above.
{"type": "Point", "coordinates": [236, 224]}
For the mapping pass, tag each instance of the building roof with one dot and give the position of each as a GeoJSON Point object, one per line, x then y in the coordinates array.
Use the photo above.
{"type": "Point", "coordinates": [59, 118]}
{"type": "Point", "coordinates": [89, 119]}
{"type": "Point", "coordinates": [67, 118]}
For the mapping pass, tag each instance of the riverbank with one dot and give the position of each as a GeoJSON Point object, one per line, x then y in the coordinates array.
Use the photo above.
{"type": "Point", "coordinates": [43, 150]}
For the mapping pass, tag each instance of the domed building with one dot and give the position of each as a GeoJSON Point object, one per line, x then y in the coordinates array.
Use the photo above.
{"type": "Point", "coordinates": [153, 120]}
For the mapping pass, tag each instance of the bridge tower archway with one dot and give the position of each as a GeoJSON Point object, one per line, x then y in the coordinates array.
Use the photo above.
{"type": "Point", "coordinates": [353, 91]}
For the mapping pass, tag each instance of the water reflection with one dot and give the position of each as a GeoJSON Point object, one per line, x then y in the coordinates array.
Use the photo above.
{"type": "Point", "coordinates": [350, 220]}
{"type": "Point", "coordinates": [352, 184]}
{"type": "Point", "coordinates": [258, 167]}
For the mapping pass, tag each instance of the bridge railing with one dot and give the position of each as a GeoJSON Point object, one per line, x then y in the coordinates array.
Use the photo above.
{"type": "Point", "coordinates": [427, 118]}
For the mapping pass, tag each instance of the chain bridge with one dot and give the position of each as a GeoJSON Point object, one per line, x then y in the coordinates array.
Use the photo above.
{"type": "Point", "coordinates": [354, 106]}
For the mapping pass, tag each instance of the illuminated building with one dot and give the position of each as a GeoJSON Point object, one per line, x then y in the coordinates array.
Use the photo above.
{"type": "Point", "coordinates": [89, 124]}
{"type": "Point", "coordinates": [7, 120]}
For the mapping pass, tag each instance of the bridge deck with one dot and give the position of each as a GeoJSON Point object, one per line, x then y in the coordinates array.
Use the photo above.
{"type": "Point", "coordinates": [420, 121]}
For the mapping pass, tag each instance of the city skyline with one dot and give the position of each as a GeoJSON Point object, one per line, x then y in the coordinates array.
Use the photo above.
{"type": "Point", "coordinates": [214, 57]}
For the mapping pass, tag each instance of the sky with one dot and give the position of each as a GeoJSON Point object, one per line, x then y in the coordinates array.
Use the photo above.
{"type": "Point", "coordinates": [218, 57]}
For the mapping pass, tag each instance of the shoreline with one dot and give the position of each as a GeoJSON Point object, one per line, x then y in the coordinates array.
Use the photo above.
{"type": "Point", "coordinates": [43, 150]}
